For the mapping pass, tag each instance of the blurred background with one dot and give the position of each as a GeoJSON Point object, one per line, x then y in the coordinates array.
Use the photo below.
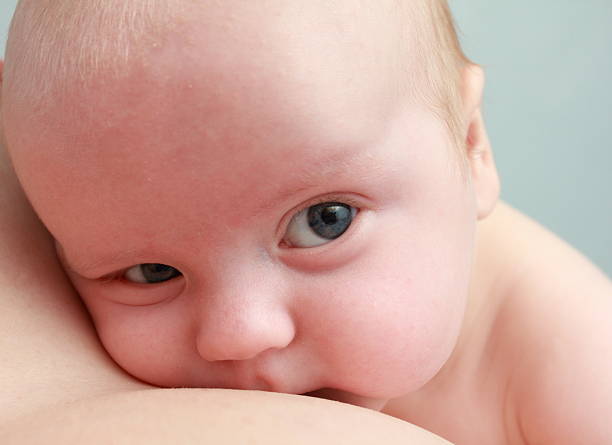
{"type": "Point", "coordinates": [548, 106]}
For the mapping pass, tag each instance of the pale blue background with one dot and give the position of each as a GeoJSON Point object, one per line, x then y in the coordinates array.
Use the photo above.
{"type": "Point", "coordinates": [548, 107]}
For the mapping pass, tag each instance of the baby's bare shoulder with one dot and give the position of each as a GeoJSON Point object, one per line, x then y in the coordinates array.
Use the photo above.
{"type": "Point", "coordinates": [555, 326]}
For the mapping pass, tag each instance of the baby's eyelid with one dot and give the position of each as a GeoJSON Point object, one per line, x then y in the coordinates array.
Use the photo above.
{"type": "Point", "coordinates": [347, 200]}
{"type": "Point", "coordinates": [343, 199]}
{"type": "Point", "coordinates": [108, 278]}
{"type": "Point", "coordinates": [136, 274]}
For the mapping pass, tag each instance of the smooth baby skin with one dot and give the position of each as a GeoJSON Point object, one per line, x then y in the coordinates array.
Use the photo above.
{"type": "Point", "coordinates": [234, 149]}
{"type": "Point", "coordinates": [531, 365]}
{"type": "Point", "coordinates": [58, 386]}
{"type": "Point", "coordinates": [200, 157]}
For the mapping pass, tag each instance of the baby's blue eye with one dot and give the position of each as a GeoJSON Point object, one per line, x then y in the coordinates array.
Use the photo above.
{"type": "Point", "coordinates": [319, 224]}
{"type": "Point", "coordinates": [151, 273]}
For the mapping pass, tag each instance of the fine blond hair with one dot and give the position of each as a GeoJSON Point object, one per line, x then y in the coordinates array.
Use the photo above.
{"type": "Point", "coordinates": [77, 40]}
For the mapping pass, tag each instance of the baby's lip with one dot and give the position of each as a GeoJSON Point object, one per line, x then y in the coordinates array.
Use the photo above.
{"type": "Point", "coordinates": [263, 381]}
{"type": "Point", "coordinates": [322, 393]}
{"type": "Point", "coordinates": [264, 373]}
{"type": "Point", "coordinates": [316, 393]}
{"type": "Point", "coordinates": [347, 397]}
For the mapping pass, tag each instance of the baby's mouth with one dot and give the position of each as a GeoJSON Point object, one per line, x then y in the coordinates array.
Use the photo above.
{"type": "Point", "coordinates": [337, 395]}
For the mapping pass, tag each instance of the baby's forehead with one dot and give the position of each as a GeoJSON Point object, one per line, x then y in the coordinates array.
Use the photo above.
{"type": "Point", "coordinates": [301, 74]}
{"type": "Point", "coordinates": [339, 47]}
{"type": "Point", "coordinates": [254, 69]}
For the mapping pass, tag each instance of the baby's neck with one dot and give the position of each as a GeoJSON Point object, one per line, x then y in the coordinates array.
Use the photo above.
{"type": "Point", "coordinates": [494, 274]}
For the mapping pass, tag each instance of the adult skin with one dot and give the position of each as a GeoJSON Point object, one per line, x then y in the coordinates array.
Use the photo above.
{"type": "Point", "coordinates": [57, 385]}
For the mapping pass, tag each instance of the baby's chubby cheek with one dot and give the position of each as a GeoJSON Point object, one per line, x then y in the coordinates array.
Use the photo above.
{"type": "Point", "coordinates": [391, 334]}
{"type": "Point", "coordinates": [156, 344]}
{"type": "Point", "coordinates": [397, 311]}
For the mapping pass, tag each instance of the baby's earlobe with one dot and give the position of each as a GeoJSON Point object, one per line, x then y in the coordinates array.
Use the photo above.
{"type": "Point", "coordinates": [476, 154]}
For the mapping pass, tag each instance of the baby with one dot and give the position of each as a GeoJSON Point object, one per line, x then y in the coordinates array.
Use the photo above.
{"type": "Point", "coordinates": [300, 197]}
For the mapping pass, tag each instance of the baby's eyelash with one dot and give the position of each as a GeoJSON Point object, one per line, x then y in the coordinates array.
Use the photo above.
{"type": "Point", "coordinates": [108, 278]}
{"type": "Point", "coordinates": [330, 198]}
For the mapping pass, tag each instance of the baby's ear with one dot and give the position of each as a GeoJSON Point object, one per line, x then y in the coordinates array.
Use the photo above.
{"type": "Point", "coordinates": [484, 176]}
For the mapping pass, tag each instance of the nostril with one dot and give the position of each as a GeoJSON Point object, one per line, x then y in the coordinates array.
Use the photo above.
{"type": "Point", "coordinates": [223, 346]}
{"type": "Point", "coordinates": [223, 352]}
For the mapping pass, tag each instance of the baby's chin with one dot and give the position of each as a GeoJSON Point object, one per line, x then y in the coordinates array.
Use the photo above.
{"type": "Point", "coordinates": [350, 398]}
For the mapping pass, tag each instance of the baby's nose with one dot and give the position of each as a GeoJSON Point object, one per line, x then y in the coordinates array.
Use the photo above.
{"type": "Point", "coordinates": [240, 327]}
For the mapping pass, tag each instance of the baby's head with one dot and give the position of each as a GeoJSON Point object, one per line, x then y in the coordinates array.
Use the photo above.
{"type": "Point", "coordinates": [266, 195]}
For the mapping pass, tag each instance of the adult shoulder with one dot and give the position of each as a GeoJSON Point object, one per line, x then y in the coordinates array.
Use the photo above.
{"type": "Point", "coordinates": [213, 416]}
{"type": "Point", "coordinates": [48, 349]}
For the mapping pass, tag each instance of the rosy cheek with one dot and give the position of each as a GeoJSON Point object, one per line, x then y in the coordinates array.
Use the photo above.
{"type": "Point", "coordinates": [152, 343]}
{"type": "Point", "coordinates": [396, 330]}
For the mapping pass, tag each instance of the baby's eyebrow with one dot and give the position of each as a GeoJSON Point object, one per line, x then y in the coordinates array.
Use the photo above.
{"type": "Point", "coordinates": [339, 164]}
